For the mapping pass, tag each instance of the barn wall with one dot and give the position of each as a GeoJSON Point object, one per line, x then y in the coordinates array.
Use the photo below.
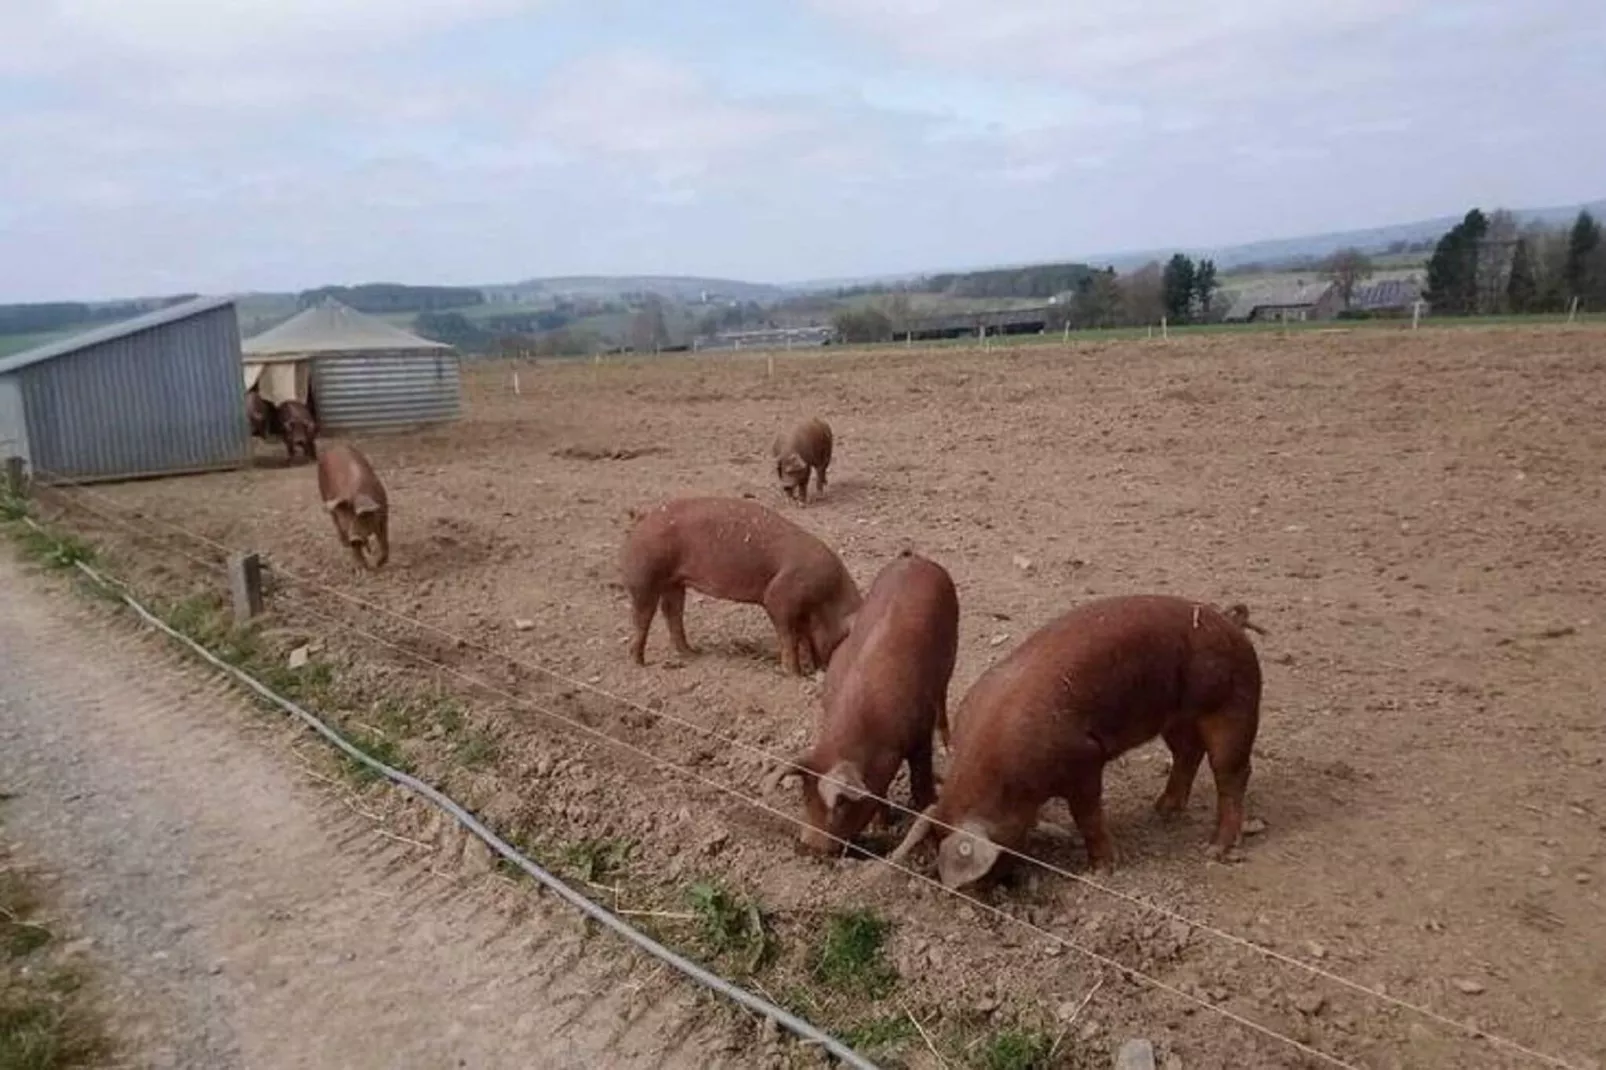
{"type": "Point", "coordinates": [13, 419]}
{"type": "Point", "coordinates": [166, 399]}
{"type": "Point", "coordinates": [386, 391]}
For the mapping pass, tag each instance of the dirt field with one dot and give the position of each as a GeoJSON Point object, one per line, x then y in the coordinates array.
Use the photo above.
{"type": "Point", "coordinates": [1417, 519]}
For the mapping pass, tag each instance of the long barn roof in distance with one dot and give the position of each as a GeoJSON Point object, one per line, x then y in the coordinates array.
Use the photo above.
{"type": "Point", "coordinates": [161, 317]}
{"type": "Point", "coordinates": [331, 327]}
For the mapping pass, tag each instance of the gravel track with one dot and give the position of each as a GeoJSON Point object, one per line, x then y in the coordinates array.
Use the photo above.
{"type": "Point", "coordinates": [242, 917]}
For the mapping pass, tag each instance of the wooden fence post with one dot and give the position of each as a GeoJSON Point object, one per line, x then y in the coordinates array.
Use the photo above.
{"type": "Point", "coordinates": [16, 478]}
{"type": "Point", "coordinates": [245, 586]}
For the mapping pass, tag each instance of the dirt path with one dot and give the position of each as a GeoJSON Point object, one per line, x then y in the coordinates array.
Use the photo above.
{"type": "Point", "coordinates": [242, 919]}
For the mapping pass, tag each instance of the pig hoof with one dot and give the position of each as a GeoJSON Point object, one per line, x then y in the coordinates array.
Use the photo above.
{"type": "Point", "coordinates": [1219, 855]}
{"type": "Point", "coordinates": [1166, 806]}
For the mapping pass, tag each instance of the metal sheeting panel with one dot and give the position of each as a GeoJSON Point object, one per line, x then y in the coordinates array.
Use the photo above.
{"type": "Point", "coordinates": [13, 419]}
{"type": "Point", "coordinates": [162, 400]}
{"type": "Point", "coordinates": [385, 391]}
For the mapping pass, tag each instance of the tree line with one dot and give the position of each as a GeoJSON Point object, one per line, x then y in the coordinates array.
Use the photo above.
{"type": "Point", "coordinates": [1489, 265]}
{"type": "Point", "coordinates": [394, 297]}
{"type": "Point", "coordinates": [49, 316]}
{"type": "Point", "coordinates": [1182, 291]}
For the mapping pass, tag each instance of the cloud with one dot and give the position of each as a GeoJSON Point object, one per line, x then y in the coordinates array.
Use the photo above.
{"type": "Point", "coordinates": [211, 31]}
{"type": "Point", "coordinates": [636, 110]}
{"type": "Point", "coordinates": [1292, 56]}
{"type": "Point", "coordinates": [1140, 48]}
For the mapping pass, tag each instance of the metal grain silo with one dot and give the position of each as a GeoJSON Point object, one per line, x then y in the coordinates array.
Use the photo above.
{"type": "Point", "coordinates": [158, 394]}
{"type": "Point", "coordinates": [365, 374]}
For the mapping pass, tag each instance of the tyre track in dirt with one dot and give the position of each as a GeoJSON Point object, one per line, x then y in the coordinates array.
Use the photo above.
{"type": "Point", "coordinates": [243, 918]}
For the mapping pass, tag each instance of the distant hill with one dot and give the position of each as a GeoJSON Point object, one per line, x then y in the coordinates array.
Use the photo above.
{"type": "Point", "coordinates": [1370, 240]}
{"type": "Point", "coordinates": [1271, 252]}
{"type": "Point", "coordinates": [686, 288]}
{"type": "Point", "coordinates": [22, 324]}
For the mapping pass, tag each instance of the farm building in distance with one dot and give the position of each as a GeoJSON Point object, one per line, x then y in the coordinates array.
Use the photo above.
{"type": "Point", "coordinates": [1032, 320]}
{"type": "Point", "coordinates": [158, 394]}
{"type": "Point", "coordinates": [1293, 300]}
{"type": "Point", "coordinates": [359, 372]}
{"type": "Point", "coordinates": [767, 338]}
{"type": "Point", "coordinates": [1387, 297]}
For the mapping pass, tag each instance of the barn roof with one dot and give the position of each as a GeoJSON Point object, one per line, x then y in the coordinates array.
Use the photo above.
{"type": "Point", "coordinates": [1389, 293]}
{"type": "Point", "coordinates": [1280, 293]}
{"type": "Point", "coordinates": [331, 327]}
{"type": "Point", "coordinates": [112, 331]}
{"type": "Point", "coordinates": [970, 320]}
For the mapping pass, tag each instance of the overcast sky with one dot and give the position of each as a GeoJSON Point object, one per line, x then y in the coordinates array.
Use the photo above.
{"type": "Point", "coordinates": [162, 145]}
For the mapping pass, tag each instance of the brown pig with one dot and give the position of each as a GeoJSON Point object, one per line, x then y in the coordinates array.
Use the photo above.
{"type": "Point", "coordinates": [299, 429]}
{"type": "Point", "coordinates": [1090, 685]}
{"type": "Point", "coordinates": [355, 498]}
{"type": "Point", "coordinates": [737, 550]}
{"type": "Point", "coordinates": [885, 689]}
{"type": "Point", "coordinates": [806, 448]}
{"type": "Point", "coordinates": [260, 413]}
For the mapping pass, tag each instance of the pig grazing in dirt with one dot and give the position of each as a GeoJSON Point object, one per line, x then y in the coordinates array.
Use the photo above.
{"type": "Point", "coordinates": [885, 689]}
{"type": "Point", "coordinates": [1092, 684]}
{"type": "Point", "coordinates": [355, 498]}
{"type": "Point", "coordinates": [806, 448]}
{"type": "Point", "coordinates": [299, 429]}
{"type": "Point", "coordinates": [738, 550]}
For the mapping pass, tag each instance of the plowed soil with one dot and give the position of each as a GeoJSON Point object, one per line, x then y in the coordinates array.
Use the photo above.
{"type": "Point", "coordinates": [1416, 518]}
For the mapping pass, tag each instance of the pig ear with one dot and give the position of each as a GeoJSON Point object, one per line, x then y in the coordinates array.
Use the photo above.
{"type": "Point", "coordinates": [842, 783]}
{"type": "Point", "coordinates": [363, 504]}
{"type": "Point", "coordinates": [917, 833]}
{"type": "Point", "coordinates": [966, 856]}
{"type": "Point", "coordinates": [333, 503]}
{"type": "Point", "coordinates": [793, 769]}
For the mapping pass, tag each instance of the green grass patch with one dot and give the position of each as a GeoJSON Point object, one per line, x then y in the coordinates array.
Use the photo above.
{"type": "Point", "coordinates": [880, 1037]}
{"type": "Point", "coordinates": [40, 1032]}
{"type": "Point", "coordinates": [597, 861]}
{"type": "Point", "coordinates": [52, 550]}
{"type": "Point", "coordinates": [18, 904]}
{"type": "Point", "coordinates": [381, 749]}
{"type": "Point", "coordinates": [19, 939]}
{"type": "Point", "coordinates": [44, 1022]}
{"type": "Point", "coordinates": [850, 958]}
{"type": "Point", "coordinates": [477, 750]}
{"type": "Point", "coordinates": [449, 715]}
{"type": "Point", "coordinates": [1014, 1048]}
{"type": "Point", "coordinates": [729, 924]}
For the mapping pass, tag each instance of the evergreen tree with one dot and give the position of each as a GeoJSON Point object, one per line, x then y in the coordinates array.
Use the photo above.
{"type": "Point", "coordinates": [1176, 288]}
{"type": "Point", "coordinates": [1582, 245]}
{"type": "Point", "coordinates": [1204, 285]}
{"type": "Point", "coordinates": [1522, 289]}
{"type": "Point", "coordinates": [1453, 270]}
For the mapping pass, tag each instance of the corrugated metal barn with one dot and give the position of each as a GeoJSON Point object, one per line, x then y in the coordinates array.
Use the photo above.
{"type": "Point", "coordinates": [365, 375]}
{"type": "Point", "coordinates": [158, 394]}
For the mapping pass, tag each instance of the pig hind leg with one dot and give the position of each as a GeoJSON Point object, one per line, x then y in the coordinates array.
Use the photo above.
{"type": "Point", "coordinates": [1187, 751]}
{"type": "Point", "coordinates": [673, 603]}
{"type": "Point", "coordinates": [1085, 797]}
{"type": "Point", "coordinates": [922, 781]}
{"type": "Point", "coordinates": [790, 622]}
{"type": "Point", "coordinates": [1229, 737]}
{"type": "Point", "coordinates": [643, 607]}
